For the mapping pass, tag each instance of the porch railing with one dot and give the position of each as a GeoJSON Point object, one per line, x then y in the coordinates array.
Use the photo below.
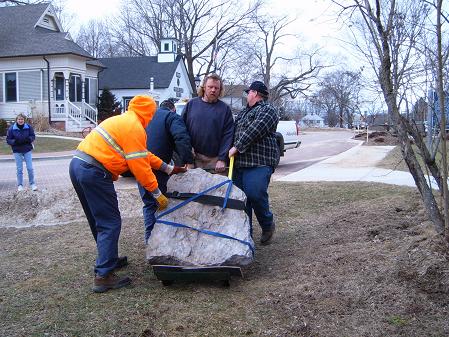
{"type": "Point", "coordinates": [74, 113]}
{"type": "Point", "coordinates": [89, 112]}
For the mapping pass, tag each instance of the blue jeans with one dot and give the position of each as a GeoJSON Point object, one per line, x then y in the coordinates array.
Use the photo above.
{"type": "Point", "coordinates": [149, 209]}
{"type": "Point", "coordinates": [253, 181]}
{"type": "Point", "coordinates": [95, 190]}
{"type": "Point", "coordinates": [150, 205]}
{"type": "Point", "coordinates": [20, 157]}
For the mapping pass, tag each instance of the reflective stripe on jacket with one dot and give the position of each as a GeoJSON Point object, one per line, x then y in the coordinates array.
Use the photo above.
{"type": "Point", "coordinates": [119, 143]}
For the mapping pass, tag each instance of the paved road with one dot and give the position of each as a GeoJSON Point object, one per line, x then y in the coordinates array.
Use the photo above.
{"type": "Point", "coordinates": [53, 173]}
{"type": "Point", "coordinates": [315, 146]}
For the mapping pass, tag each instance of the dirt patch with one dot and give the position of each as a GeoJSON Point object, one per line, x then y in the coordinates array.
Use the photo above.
{"type": "Point", "coordinates": [348, 259]}
{"type": "Point", "coordinates": [378, 138]}
{"type": "Point", "coordinates": [56, 207]}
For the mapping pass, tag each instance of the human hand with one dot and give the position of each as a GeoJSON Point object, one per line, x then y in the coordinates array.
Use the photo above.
{"type": "Point", "coordinates": [220, 166]}
{"type": "Point", "coordinates": [179, 169]}
{"type": "Point", "coordinates": [160, 198]}
{"type": "Point", "coordinates": [233, 151]}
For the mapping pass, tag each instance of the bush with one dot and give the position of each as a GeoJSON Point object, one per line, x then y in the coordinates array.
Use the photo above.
{"type": "Point", "coordinates": [107, 105]}
{"type": "Point", "coordinates": [3, 127]}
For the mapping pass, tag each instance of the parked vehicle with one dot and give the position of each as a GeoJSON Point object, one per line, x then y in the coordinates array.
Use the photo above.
{"type": "Point", "coordinates": [287, 136]}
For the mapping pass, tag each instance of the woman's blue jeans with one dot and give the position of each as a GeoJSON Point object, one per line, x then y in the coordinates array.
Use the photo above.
{"type": "Point", "coordinates": [20, 158]}
{"type": "Point", "coordinates": [253, 181]}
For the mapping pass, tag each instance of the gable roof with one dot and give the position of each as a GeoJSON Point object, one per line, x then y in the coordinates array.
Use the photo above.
{"type": "Point", "coordinates": [135, 72]}
{"type": "Point", "coordinates": [20, 35]}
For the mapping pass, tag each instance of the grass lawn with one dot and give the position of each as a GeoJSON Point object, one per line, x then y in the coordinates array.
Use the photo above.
{"type": "Point", "coordinates": [395, 161]}
{"type": "Point", "coordinates": [43, 145]}
{"type": "Point", "coordinates": [340, 265]}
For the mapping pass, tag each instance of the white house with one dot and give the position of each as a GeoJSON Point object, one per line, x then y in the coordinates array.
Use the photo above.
{"type": "Point", "coordinates": [43, 73]}
{"type": "Point", "coordinates": [234, 96]}
{"type": "Point", "coordinates": [162, 76]}
{"type": "Point", "coordinates": [312, 121]}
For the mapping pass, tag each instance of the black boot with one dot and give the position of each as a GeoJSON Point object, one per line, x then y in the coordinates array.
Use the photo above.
{"type": "Point", "coordinates": [267, 235]}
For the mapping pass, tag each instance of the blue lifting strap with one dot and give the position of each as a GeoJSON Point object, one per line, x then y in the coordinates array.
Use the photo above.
{"type": "Point", "coordinates": [185, 202]}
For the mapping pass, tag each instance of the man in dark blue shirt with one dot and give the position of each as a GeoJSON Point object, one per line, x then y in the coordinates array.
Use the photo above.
{"type": "Point", "coordinates": [210, 125]}
{"type": "Point", "coordinates": [165, 134]}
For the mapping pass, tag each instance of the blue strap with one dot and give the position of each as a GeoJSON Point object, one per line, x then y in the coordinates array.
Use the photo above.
{"type": "Point", "coordinates": [205, 231]}
{"type": "Point", "coordinates": [193, 198]}
{"type": "Point", "coordinates": [185, 202]}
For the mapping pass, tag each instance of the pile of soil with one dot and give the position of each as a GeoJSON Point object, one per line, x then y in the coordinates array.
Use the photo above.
{"type": "Point", "coordinates": [56, 207]}
{"type": "Point", "coordinates": [378, 138]}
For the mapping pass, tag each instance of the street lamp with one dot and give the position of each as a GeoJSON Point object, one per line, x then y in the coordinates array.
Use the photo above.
{"type": "Point", "coordinates": [197, 80]}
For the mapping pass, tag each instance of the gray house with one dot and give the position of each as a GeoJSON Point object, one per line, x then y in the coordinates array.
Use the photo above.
{"type": "Point", "coordinates": [162, 76]}
{"type": "Point", "coordinates": [43, 72]}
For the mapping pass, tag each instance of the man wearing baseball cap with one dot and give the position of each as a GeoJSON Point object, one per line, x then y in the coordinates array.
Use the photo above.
{"type": "Point", "coordinates": [256, 155]}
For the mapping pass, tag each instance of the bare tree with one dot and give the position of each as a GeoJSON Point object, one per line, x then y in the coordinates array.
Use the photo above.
{"type": "Point", "coordinates": [65, 18]}
{"type": "Point", "coordinates": [340, 95]}
{"type": "Point", "coordinates": [287, 77]}
{"type": "Point", "coordinates": [206, 30]}
{"type": "Point", "coordinates": [95, 38]}
{"type": "Point", "coordinates": [391, 29]}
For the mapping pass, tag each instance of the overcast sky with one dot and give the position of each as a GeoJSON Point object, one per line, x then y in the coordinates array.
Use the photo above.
{"type": "Point", "coordinates": [316, 23]}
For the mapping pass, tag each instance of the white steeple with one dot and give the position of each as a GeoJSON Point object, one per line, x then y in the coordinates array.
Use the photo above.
{"type": "Point", "coordinates": [168, 50]}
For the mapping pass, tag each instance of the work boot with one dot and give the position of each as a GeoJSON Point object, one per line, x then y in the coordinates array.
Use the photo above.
{"type": "Point", "coordinates": [267, 235]}
{"type": "Point", "coordinates": [122, 261]}
{"type": "Point", "coordinates": [110, 281]}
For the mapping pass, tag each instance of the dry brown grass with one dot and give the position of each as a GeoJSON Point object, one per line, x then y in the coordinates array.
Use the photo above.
{"type": "Point", "coordinates": [348, 259]}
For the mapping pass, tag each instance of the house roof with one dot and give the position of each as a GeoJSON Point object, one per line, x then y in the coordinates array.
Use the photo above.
{"type": "Point", "coordinates": [234, 90]}
{"type": "Point", "coordinates": [20, 36]}
{"type": "Point", "coordinates": [135, 72]}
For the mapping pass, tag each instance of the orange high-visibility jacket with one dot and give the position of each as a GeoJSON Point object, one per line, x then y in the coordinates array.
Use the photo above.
{"type": "Point", "coordinates": [119, 143]}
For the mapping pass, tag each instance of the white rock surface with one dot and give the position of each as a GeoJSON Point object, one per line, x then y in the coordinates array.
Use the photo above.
{"type": "Point", "coordinates": [184, 246]}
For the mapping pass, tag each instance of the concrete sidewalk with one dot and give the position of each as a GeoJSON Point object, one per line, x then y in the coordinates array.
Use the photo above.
{"type": "Point", "coordinates": [355, 164]}
{"type": "Point", "coordinates": [40, 156]}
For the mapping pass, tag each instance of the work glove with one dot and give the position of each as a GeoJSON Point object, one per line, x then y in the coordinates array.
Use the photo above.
{"type": "Point", "coordinates": [160, 198]}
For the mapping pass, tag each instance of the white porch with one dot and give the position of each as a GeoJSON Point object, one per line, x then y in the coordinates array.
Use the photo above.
{"type": "Point", "coordinates": [76, 115]}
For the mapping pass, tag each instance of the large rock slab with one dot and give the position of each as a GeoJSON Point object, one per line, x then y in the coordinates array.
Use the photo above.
{"type": "Point", "coordinates": [184, 246]}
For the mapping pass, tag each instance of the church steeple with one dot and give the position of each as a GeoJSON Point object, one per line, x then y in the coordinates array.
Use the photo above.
{"type": "Point", "coordinates": [168, 50]}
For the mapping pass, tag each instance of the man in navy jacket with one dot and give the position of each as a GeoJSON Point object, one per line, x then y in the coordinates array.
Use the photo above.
{"type": "Point", "coordinates": [165, 134]}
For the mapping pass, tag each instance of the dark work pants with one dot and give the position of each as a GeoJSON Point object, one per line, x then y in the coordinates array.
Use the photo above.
{"type": "Point", "coordinates": [253, 181]}
{"type": "Point", "coordinates": [95, 190]}
{"type": "Point", "coordinates": [150, 205]}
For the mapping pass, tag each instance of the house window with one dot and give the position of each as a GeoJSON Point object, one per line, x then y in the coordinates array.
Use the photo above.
{"type": "Point", "coordinates": [86, 90]}
{"type": "Point", "coordinates": [93, 91]}
{"type": "Point", "coordinates": [75, 88]}
{"type": "Point", "coordinates": [166, 47]}
{"type": "Point", "coordinates": [59, 87]}
{"type": "Point", "coordinates": [11, 87]}
{"type": "Point", "coordinates": [126, 101]}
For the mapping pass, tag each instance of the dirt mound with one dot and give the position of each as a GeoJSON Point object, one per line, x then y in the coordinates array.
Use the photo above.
{"type": "Point", "coordinates": [378, 138]}
{"type": "Point", "coordinates": [55, 207]}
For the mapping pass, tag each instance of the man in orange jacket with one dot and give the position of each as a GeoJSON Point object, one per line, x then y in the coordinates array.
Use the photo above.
{"type": "Point", "coordinates": [116, 145]}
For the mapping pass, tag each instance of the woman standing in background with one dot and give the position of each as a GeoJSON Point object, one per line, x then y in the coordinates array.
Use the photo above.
{"type": "Point", "coordinates": [20, 137]}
